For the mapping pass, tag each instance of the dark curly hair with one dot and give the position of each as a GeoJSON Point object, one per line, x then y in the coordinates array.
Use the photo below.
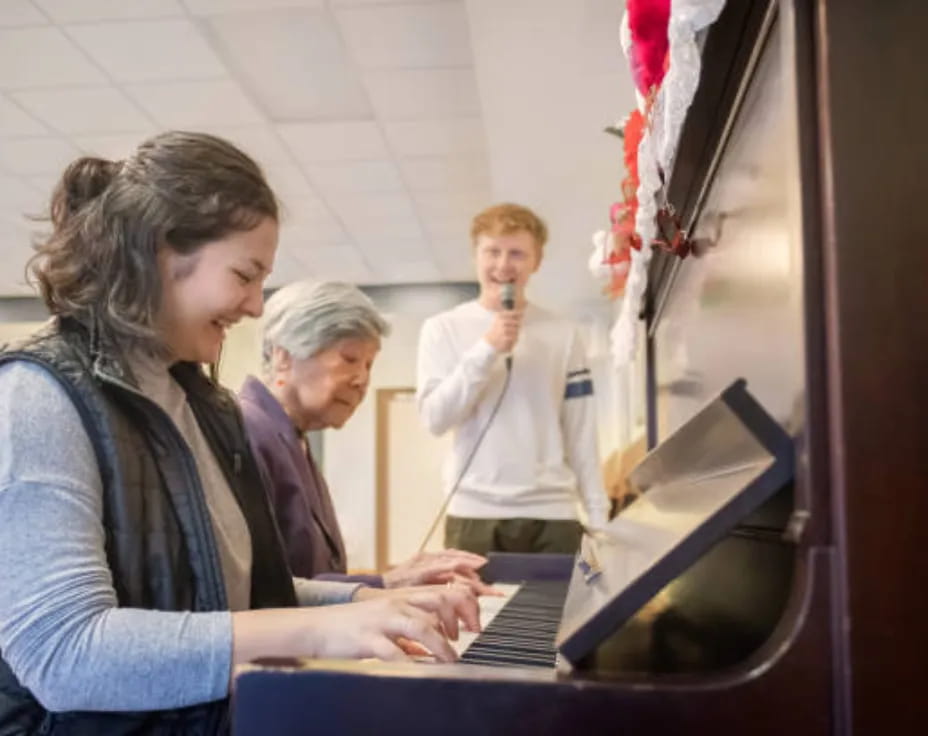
{"type": "Point", "coordinates": [109, 219]}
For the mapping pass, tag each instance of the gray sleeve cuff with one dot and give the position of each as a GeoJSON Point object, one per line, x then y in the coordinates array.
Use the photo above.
{"type": "Point", "coordinates": [324, 592]}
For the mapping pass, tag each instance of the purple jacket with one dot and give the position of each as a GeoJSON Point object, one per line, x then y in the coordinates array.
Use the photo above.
{"type": "Point", "coordinates": [298, 492]}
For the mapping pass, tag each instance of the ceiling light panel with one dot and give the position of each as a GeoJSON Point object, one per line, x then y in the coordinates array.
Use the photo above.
{"type": "Point", "coordinates": [43, 57]}
{"type": "Point", "coordinates": [407, 36]}
{"type": "Point", "coordinates": [141, 51]}
{"type": "Point", "coordinates": [84, 110]}
{"type": "Point", "coordinates": [292, 62]}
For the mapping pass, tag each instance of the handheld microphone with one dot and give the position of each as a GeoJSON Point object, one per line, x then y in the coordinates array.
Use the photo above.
{"type": "Point", "coordinates": [508, 296]}
{"type": "Point", "coordinates": [508, 302]}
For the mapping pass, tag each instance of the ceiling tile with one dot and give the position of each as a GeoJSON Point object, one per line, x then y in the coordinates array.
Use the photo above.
{"type": "Point", "coordinates": [381, 251]}
{"type": "Point", "coordinates": [84, 110]}
{"type": "Point", "coordinates": [299, 204]}
{"type": "Point", "coordinates": [287, 268]}
{"type": "Point", "coordinates": [337, 263]}
{"type": "Point", "coordinates": [44, 185]}
{"type": "Point", "coordinates": [454, 257]}
{"type": "Point", "coordinates": [452, 228]}
{"type": "Point", "coordinates": [419, 271]}
{"type": "Point", "coordinates": [355, 177]}
{"type": "Point", "coordinates": [20, 13]}
{"type": "Point", "coordinates": [384, 231]}
{"type": "Point", "coordinates": [292, 62]}
{"type": "Point", "coordinates": [407, 36]}
{"type": "Point", "coordinates": [42, 57]}
{"type": "Point", "coordinates": [435, 137]}
{"type": "Point", "coordinates": [447, 204]}
{"type": "Point", "coordinates": [299, 240]}
{"type": "Point", "coordinates": [337, 141]}
{"type": "Point", "coordinates": [318, 229]}
{"type": "Point", "coordinates": [373, 206]}
{"type": "Point", "coordinates": [195, 104]}
{"type": "Point", "coordinates": [348, 3]}
{"type": "Point", "coordinates": [423, 93]}
{"type": "Point", "coordinates": [19, 199]}
{"type": "Point", "coordinates": [27, 156]}
{"type": "Point", "coordinates": [113, 147]}
{"type": "Point", "coordinates": [216, 7]}
{"type": "Point", "coordinates": [15, 121]}
{"type": "Point", "coordinates": [141, 51]}
{"type": "Point", "coordinates": [258, 141]}
{"type": "Point", "coordinates": [446, 174]}
{"type": "Point", "coordinates": [82, 11]}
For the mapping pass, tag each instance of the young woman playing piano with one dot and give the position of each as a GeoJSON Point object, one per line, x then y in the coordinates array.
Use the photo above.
{"type": "Point", "coordinates": [137, 542]}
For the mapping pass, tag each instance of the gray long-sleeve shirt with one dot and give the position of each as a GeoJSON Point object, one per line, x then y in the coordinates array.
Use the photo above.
{"type": "Point", "coordinates": [61, 631]}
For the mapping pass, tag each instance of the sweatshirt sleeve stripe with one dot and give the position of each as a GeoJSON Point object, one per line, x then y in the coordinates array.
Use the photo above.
{"type": "Point", "coordinates": [577, 389]}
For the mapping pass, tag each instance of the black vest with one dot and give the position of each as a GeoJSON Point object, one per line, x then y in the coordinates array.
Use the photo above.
{"type": "Point", "coordinates": [159, 539]}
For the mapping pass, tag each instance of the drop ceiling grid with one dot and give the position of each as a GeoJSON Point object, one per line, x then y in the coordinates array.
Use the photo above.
{"type": "Point", "coordinates": [83, 95]}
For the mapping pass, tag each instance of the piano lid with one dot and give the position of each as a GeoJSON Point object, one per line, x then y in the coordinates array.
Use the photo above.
{"type": "Point", "coordinates": [696, 486]}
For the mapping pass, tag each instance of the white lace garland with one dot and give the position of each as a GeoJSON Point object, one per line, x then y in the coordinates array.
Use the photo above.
{"type": "Point", "coordinates": [657, 151]}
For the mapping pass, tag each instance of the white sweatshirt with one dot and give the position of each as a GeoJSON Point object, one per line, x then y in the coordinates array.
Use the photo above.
{"type": "Point", "coordinates": [539, 458]}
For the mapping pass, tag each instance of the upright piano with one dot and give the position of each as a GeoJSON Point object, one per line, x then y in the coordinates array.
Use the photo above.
{"type": "Point", "coordinates": [763, 582]}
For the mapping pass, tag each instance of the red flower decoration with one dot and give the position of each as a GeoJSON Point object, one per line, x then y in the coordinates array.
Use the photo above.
{"type": "Point", "coordinates": [647, 23]}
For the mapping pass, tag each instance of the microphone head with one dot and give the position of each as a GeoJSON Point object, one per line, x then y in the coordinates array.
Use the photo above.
{"type": "Point", "coordinates": [508, 295]}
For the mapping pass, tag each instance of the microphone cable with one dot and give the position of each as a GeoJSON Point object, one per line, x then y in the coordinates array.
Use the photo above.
{"type": "Point", "coordinates": [470, 457]}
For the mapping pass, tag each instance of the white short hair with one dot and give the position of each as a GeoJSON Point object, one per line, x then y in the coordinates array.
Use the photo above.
{"type": "Point", "coordinates": [307, 317]}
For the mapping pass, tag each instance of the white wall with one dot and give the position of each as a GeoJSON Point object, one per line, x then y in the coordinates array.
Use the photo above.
{"type": "Point", "coordinates": [241, 354]}
{"type": "Point", "coordinates": [10, 331]}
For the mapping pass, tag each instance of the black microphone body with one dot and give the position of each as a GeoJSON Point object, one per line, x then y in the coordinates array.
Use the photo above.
{"type": "Point", "coordinates": [508, 302]}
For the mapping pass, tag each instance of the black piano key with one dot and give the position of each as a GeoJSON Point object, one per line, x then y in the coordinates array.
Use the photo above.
{"type": "Point", "coordinates": [522, 633]}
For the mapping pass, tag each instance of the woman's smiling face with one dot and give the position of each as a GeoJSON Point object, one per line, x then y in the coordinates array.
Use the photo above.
{"type": "Point", "coordinates": [206, 292]}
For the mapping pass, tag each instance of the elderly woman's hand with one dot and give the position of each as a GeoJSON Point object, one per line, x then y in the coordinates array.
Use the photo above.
{"type": "Point", "coordinates": [450, 565]}
{"type": "Point", "coordinates": [451, 602]}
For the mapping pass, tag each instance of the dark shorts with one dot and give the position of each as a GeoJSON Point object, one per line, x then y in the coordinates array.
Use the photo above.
{"type": "Point", "coordinates": [512, 535]}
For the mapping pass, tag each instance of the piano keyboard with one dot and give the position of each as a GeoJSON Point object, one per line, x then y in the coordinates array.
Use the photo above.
{"type": "Point", "coordinates": [518, 628]}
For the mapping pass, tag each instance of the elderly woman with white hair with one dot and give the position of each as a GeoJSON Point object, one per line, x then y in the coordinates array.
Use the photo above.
{"type": "Point", "coordinates": [319, 342]}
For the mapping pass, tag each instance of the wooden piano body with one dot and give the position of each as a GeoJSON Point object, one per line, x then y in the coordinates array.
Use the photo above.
{"type": "Point", "coordinates": [796, 173]}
